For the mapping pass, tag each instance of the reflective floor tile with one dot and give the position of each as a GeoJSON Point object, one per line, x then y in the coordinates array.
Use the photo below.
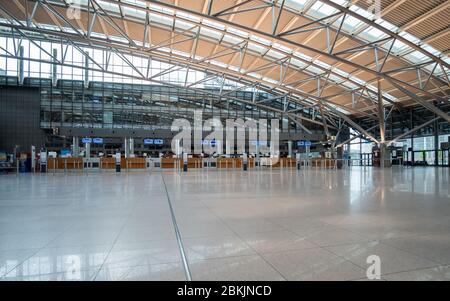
{"type": "Point", "coordinates": [197, 229]}
{"type": "Point", "coordinates": [379, 230]}
{"type": "Point", "coordinates": [242, 268]}
{"type": "Point", "coordinates": [433, 247]}
{"type": "Point", "coordinates": [391, 259]}
{"type": "Point", "coordinates": [297, 223]}
{"type": "Point", "coordinates": [252, 225]}
{"type": "Point", "coordinates": [314, 264]}
{"type": "Point", "coordinates": [69, 260]}
{"type": "Point", "coordinates": [77, 238]}
{"type": "Point", "coordinates": [441, 273]}
{"type": "Point", "coordinates": [215, 247]}
{"type": "Point", "coordinates": [27, 240]}
{"type": "Point", "coordinates": [276, 241]}
{"type": "Point", "coordinates": [143, 253]}
{"type": "Point", "coordinates": [85, 275]}
{"type": "Point", "coordinates": [330, 236]}
{"type": "Point", "coordinates": [141, 233]}
{"type": "Point", "coordinates": [155, 272]}
{"type": "Point", "coordinates": [9, 260]}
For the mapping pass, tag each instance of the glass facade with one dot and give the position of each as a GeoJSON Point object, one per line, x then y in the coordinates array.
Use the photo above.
{"type": "Point", "coordinates": [114, 94]}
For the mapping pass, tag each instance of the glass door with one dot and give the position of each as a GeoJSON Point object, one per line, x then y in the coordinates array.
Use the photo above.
{"type": "Point", "coordinates": [443, 158]}
{"type": "Point", "coordinates": [424, 158]}
{"type": "Point", "coordinates": [430, 157]}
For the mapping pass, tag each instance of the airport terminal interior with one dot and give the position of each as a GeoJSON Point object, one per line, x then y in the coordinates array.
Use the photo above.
{"type": "Point", "coordinates": [253, 140]}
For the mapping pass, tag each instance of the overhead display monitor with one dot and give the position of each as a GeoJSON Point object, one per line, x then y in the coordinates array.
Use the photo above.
{"type": "Point", "coordinates": [304, 143]}
{"type": "Point", "coordinates": [98, 140]}
{"type": "Point", "coordinates": [148, 141]}
{"type": "Point", "coordinates": [65, 153]}
{"type": "Point", "coordinates": [86, 140]}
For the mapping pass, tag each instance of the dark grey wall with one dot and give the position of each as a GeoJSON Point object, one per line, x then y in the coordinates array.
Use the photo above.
{"type": "Point", "coordinates": [20, 118]}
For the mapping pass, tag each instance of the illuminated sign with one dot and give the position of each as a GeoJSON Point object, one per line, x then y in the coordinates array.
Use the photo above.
{"type": "Point", "coordinates": [304, 143]}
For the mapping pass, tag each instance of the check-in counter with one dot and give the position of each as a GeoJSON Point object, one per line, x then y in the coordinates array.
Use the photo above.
{"type": "Point", "coordinates": [270, 162]}
{"type": "Point", "coordinates": [234, 163]}
{"type": "Point", "coordinates": [65, 163]}
{"type": "Point", "coordinates": [279, 162]}
{"type": "Point", "coordinates": [135, 163]}
{"type": "Point", "coordinates": [107, 163]}
{"type": "Point", "coordinates": [229, 162]}
{"type": "Point", "coordinates": [286, 163]}
{"type": "Point", "coordinates": [210, 162]}
{"type": "Point", "coordinates": [323, 163]}
{"type": "Point", "coordinates": [125, 163]}
{"type": "Point", "coordinates": [195, 163]}
{"type": "Point", "coordinates": [91, 163]}
{"type": "Point", "coordinates": [167, 163]}
{"type": "Point", "coordinates": [251, 162]}
{"type": "Point", "coordinates": [153, 163]}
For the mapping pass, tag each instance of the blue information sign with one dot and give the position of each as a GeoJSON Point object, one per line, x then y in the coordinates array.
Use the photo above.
{"type": "Point", "coordinates": [86, 140]}
{"type": "Point", "coordinates": [158, 141]}
{"type": "Point", "coordinates": [98, 140]}
{"type": "Point", "coordinates": [304, 143]}
{"type": "Point", "coordinates": [148, 141]}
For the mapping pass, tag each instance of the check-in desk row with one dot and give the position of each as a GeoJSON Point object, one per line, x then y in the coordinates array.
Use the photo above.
{"type": "Point", "coordinates": [125, 163]}
{"type": "Point", "coordinates": [278, 162]}
{"type": "Point", "coordinates": [178, 163]}
{"type": "Point", "coordinates": [167, 163]}
{"type": "Point", "coordinates": [109, 163]}
{"type": "Point", "coordinates": [224, 163]}
{"type": "Point", "coordinates": [64, 163]}
{"type": "Point", "coordinates": [94, 163]}
{"type": "Point", "coordinates": [323, 163]}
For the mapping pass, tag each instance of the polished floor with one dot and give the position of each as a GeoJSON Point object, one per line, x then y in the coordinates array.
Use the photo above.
{"type": "Point", "coordinates": [232, 225]}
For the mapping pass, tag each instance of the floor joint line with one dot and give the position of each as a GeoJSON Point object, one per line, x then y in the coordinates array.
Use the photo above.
{"type": "Point", "coordinates": [187, 271]}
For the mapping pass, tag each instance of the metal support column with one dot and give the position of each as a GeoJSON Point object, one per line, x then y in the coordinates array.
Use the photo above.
{"type": "Point", "coordinates": [436, 142]}
{"type": "Point", "coordinates": [75, 146]}
{"type": "Point", "coordinates": [126, 148]}
{"type": "Point", "coordinates": [411, 123]}
{"type": "Point", "coordinates": [55, 67]}
{"type": "Point", "coordinates": [131, 146]}
{"type": "Point", "coordinates": [20, 65]}
{"type": "Point", "coordinates": [88, 151]}
{"type": "Point", "coordinates": [381, 120]}
{"type": "Point", "coordinates": [86, 69]}
{"type": "Point", "coordinates": [290, 154]}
